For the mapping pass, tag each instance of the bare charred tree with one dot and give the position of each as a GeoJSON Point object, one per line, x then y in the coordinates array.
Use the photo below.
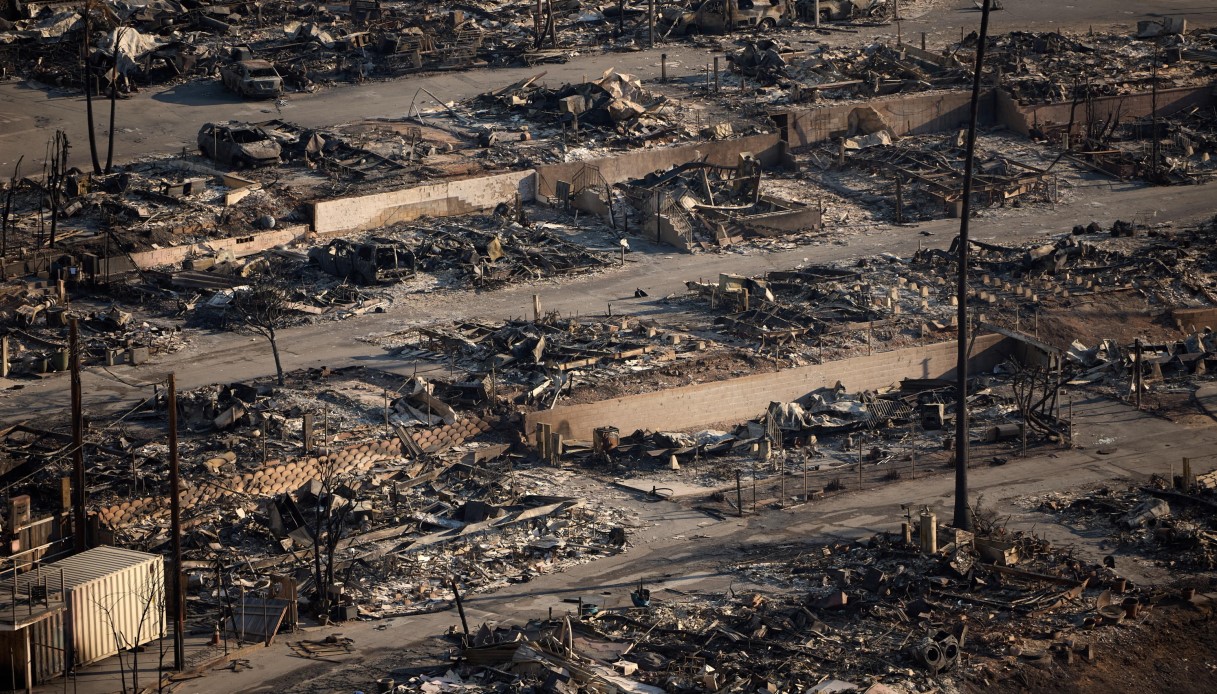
{"type": "Point", "coordinates": [146, 601]}
{"type": "Point", "coordinates": [1035, 391]}
{"type": "Point", "coordinates": [87, 74]}
{"type": "Point", "coordinates": [56, 177]}
{"type": "Point", "coordinates": [114, 74]}
{"type": "Point", "coordinates": [8, 207]}
{"type": "Point", "coordinates": [326, 526]}
{"type": "Point", "coordinates": [262, 309]}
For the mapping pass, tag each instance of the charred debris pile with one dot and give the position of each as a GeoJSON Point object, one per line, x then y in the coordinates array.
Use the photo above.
{"type": "Point", "coordinates": [936, 608]}
{"type": "Point", "coordinates": [301, 484]}
{"type": "Point", "coordinates": [1033, 67]}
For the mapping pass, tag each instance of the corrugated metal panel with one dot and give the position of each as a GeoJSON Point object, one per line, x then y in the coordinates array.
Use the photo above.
{"type": "Point", "coordinates": [47, 648]}
{"type": "Point", "coordinates": [115, 600]}
{"type": "Point", "coordinates": [258, 619]}
{"type": "Point", "coordinates": [118, 610]}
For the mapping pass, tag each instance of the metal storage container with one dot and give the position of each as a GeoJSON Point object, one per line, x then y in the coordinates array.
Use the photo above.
{"type": "Point", "coordinates": [115, 600]}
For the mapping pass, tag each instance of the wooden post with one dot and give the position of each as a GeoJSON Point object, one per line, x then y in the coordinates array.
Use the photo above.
{"type": "Point", "coordinates": [816, 9]}
{"type": "Point", "coordinates": [859, 462]}
{"type": "Point", "coordinates": [663, 67]}
{"type": "Point", "coordinates": [754, 487]}
{"type": "Point", "coordinates": [782, 475]}
{"type": "Point", "coordinates": [4, 356]}
{"type": "Point", "coordinates": [65, 494]}
{"type": "Point", "coordinates": [1071, 420]}
{"type": "Point", "coordinates": [716, 74]}
{"type": "Point", "coordinates": [78, 441]}
{"type": "Point", "coordinates": [899, 201]}
{"type": "Point", "coordinates": [739, 496]}
{"type": "Point", "coordinates": [806, 495]}
{"type": "Point", "coordinates": [306, 431]}
{"type": "Point", "coordinates": [536, 307]}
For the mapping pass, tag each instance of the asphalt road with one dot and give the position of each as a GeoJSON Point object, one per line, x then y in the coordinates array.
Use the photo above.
{"type": "Point", "coordinates": [165, 120]}
{"type": "Point", "coordinates": [226, 357]}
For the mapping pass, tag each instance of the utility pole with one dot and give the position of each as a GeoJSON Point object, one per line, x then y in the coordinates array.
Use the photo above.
{"type": "Point", "coordinates": [78, 442]}
{"type": "Point", "coordinates": [175, 531]}
{"type": "Point", "coordinates": [963, 519]}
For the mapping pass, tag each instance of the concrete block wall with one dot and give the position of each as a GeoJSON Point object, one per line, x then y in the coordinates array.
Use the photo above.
{"type": "Point", "coordinates": [446, 199]}
{"type": "Point", "coordinates": [239, 245]}
{"type": "Point", "coordinates": [274, 478]}
{"type": "Point", "coordinates": [1021, 119]}
{"type": "Point", "coordinates": [742, 398]}
{"type": "Point", "coordinates": [918, 114]}
{"type": "Point", "coordinates": [640, 162]}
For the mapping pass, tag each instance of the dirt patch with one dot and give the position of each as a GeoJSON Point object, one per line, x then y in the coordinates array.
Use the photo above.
{"type": "Point", "coordinates": [1171, 650]}
{"type": "Point", "coordinates": [1121, 316]}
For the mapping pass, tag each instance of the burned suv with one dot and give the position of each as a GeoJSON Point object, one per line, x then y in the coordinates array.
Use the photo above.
{"type": "Point", "coordinates": [239, 145]}
{"type": "Point", "coordinates": [253, 79]}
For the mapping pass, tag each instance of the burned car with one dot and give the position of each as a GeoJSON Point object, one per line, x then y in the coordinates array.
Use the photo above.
{"type": "Point", "coordinates": [239, 145]}
{"type": "Point", "coordinates": [723, 16]}
{"type": "Point", "coordinates": [253, 79]}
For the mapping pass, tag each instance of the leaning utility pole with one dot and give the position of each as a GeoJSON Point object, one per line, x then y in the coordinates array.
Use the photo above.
{"type": "Point", "coordinates": [963, 519]}
{"type": "Point", "coordinates": [78, 442]}
{"type": "Point", "coordinates": [175, 532]}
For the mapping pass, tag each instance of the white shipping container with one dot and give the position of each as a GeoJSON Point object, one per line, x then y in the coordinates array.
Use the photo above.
{"type": "Point", "coordinates": [115, 600]}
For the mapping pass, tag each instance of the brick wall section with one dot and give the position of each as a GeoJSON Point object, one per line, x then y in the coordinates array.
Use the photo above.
{"type": "Point", "coordinates": [746, 397]}
{"type": "Point", "coordinates": [276, 477]}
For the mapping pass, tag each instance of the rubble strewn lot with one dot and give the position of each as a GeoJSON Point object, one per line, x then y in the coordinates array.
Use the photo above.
{"type": "Point", "coordinates": [1033, 67]}
{"type": "Point", "coordinates": [997, 610]}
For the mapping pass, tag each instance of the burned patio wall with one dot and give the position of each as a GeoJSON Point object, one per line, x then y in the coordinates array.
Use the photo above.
{"type": "Point", "coordinates": [1124, 107]}
{"type": "Point", "coordinates": [238, 246]}
{"type": "Point", "coordinates": [446, 199]}
{"type": "Point", "coordinates": [708, 404]}
{"type": "Point", "coordinates": [638, 163]}
{"type": "Point", "coordinates": [917, 115]}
